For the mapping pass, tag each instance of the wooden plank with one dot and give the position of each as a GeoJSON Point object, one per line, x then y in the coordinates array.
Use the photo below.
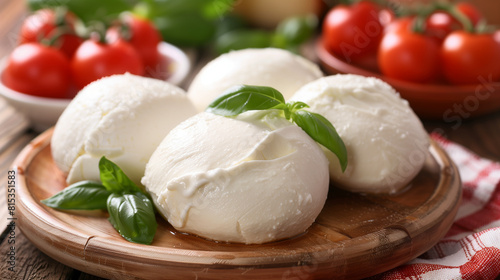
{"type": "Point", "coordinates": [480, 135]}
{"type": "Point", "coordinates": [27, 262]}
{"type": "Point", "coordinates": [6, 159]}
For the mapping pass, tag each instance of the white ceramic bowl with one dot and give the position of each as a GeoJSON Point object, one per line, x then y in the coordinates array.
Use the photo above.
{"type": "Point", "coordinates": [43, 112]}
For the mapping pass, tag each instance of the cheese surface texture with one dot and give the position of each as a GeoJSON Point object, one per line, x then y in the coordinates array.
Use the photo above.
{"type": "Point", "coordinates": [122, 117]}
{"type": "Point", "coordinates": [250, 179]}
{"type": "Point", "coordinates": [386, 142]}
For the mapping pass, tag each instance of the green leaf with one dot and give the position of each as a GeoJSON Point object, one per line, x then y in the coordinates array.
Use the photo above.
{"type": "Point", "coordinates": [217, 8]}
{"type": "Point", "coordinates": [323, 132]}
{"type": "Point", "coordinates": [297, 105]}
{"type": "Point", "coordinates": [243, 39]}
{"type": "Point", "coordinates": [239, 99]}
{"type": "Point", "coordinates": [133, 216]}
{"type": "Point", "coordinates": [189, 30]}
{"type": "Point", "coordinates": [297, 30]}
{"type": "Point", "coordinates": [114, 179]}
{"type": "Point", "coordinates": [84, 195]}
{"type": "Point", "coordinates": [87, 10]}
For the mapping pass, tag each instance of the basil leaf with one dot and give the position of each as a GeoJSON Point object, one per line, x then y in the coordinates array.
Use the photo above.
{"type": "Point", "coordinates": [323, 132]}
{"type": "Point", "coordinates": [133, 216]}
{"type": "Point", "coordinates": [84, 195]}
{"type": "Point", "coordinates": [239, 99]}
{"type": "Point", "coordinates": [114, 179]}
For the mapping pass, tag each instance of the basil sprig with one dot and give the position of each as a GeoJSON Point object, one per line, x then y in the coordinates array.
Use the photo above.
{"type": "Point", "coordinates": [130, 209]}
{"type": "Point", "coordinates": [242, 98]}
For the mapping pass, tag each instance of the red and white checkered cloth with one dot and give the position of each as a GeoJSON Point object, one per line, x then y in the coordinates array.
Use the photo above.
{"type": "Point", "coordinates": [471, 248]}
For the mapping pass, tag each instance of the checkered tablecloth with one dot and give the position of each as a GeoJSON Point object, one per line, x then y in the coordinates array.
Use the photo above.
{"type": "Point", "coordinates": [471, 248]}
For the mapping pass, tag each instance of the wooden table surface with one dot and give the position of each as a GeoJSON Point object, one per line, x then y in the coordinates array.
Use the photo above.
{"type": "Point", "coordinates": [481, 135]}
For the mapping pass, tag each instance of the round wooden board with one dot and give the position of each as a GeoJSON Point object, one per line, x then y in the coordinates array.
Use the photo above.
{"type": "Point", "coordinates": [355, 235]}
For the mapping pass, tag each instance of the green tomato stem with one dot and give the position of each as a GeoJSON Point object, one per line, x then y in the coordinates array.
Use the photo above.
{"type": "Point", "coordinates": [418, 25]}
{"type": "Point", "coordinates": [463, 19]}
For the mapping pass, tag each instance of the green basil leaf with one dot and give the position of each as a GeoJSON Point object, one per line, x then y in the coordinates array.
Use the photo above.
{"type": "Point", "coordinates": [239, 99]}
{"type": "Point", "coordinates": [133, 216]}
{"type": "Point", "coordinates": [114, 179]}
{"type": "Point", "coordinates": [84, 195]}
{"type": "Point", "coordinates": [323, 132]}
{"type": "Point", "coordinates": [297, 105]}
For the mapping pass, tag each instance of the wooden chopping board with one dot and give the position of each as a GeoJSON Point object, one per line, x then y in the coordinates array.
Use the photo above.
{"type": "Point", "coordinates": [355, 235]}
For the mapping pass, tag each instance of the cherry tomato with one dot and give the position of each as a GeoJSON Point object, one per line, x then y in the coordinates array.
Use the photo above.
{"type": "Point", "coordinates": [402, 24]}
{"type": "Point", "coordinates": [143, 36]}
{"type": "Point", "coordinates": [353, 32]}
{"type": "Point", "coordinates": [466, 57]}
{"type": "Point", "coordinates": [409, 56]}
{"type": "Point", "coordinates": [470, 11]}
{"type": "Point", "coordinates": [94, 60]}
{"type": "Point", "coordinates": [38, 70]}
{"type": "Point", "coordinates": [386, 16]}
{"type": "Point", "coordinates": [47, 23]}
{"type": "Point", "coordinates": [440, 24]}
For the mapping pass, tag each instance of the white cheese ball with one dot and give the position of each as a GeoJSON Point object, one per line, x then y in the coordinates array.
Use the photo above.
{"type": "Point", "coordinates": [122, 117]}
{"type": "Point", "coordinates": [245, 179]}
{"type": "Point", "coordinates": [386, 142]}
{"type": "Point", "coordinates": [271, 67]}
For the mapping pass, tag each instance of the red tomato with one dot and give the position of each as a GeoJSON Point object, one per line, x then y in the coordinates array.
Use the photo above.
{"type": "Point", "coordinates": [409, 56]}
{"type": "Point", "coordinates": [145, 39]}
{"type": "Point", "coordinates": [440, 24]}
{"type": "Point", "coordinates": [466, 57]}
{"type": "Point", "coordinates": [46, 23]}
{"type": "Point", "coordinates": [386, 16]}
{"type": "Point", "coordinates": [94, 60]}
{"type": "Point", "coordinates": [38, 70]}
{"type": "Point", "coordinates": [143, 36]}
{"type": "Point", "coordinates": [470, 11]}
{"type": "Point", "coordinates": [403, 24]}
{"type": "Point", "coordinates": [353, 32]}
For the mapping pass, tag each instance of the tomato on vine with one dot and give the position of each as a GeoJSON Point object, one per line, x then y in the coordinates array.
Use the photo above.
{"type": "Point", "coordinates": [386, 16]}
{"type": "Point", "coordinates": [439, 24]}
{"type": "Point", "coordinates": [94, 60]}
{"type": "Point", "coordinates": [467, 56]}
{"type": "Point", "coordinates": [39, 70]}
{"type": "Point", "coordinates": [402, 24]}
{"type": "Point", "coordinates": [50, 24]}
{"type": "Point", "coordinates": [142, 35]}
{"type": "Point", "coordinates": [459, 16]}
{"type": "Point", "coordinates": [353, 32]}
{"type": "Point", "coordinates": [408, 55]}
{"type": "Point", "coordinates": [470, 11]}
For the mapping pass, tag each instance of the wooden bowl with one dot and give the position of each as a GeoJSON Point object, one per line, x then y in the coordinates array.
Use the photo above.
{"type": "Point", "coordinates": [444, 102]}
{"type": "Point", "coordinates": [355, 235]}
